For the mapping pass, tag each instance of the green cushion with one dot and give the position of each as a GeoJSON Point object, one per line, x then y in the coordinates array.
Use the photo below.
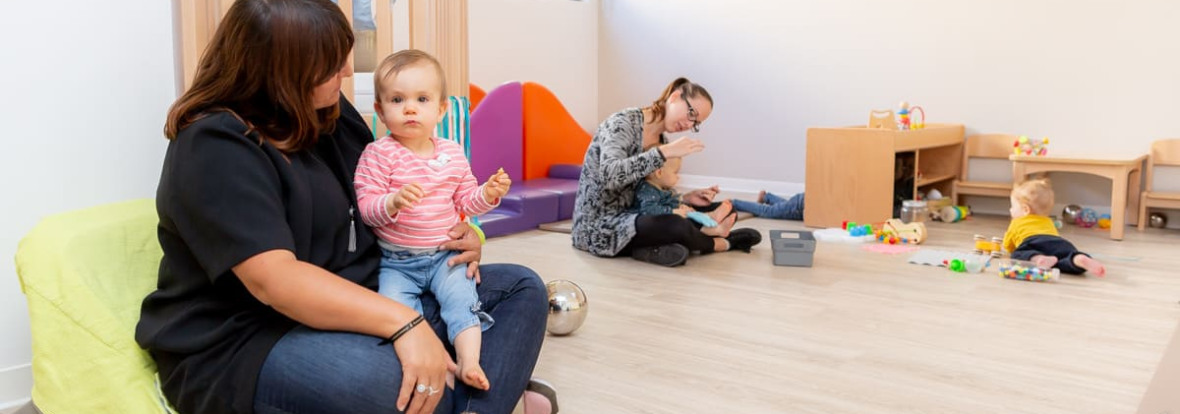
{"type": "Point", "coordinates": [85, 274]}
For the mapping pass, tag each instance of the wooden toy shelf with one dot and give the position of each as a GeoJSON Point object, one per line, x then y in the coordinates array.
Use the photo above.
{"type": "Point", "coordinates": [852, 171]}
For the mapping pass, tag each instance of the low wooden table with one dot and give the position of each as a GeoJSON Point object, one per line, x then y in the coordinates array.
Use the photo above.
{"type": "Point", "coordinates": [1122, 172]}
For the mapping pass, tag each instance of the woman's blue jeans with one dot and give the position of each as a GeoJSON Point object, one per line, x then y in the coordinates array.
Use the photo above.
{"type": "Point", "coordinates": [312, 371]}
{"type": "Point", "coordinates": [774, 207]}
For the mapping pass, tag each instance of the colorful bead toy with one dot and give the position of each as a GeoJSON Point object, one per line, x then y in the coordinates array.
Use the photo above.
{"type": "Point", "coordinates": [1025, 270]}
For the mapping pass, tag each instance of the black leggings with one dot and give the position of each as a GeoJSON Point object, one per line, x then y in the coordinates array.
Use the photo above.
{"type": "Point", "coordinates": [659, 230]}
{"type": "Point", "coordinates": [1048, 245]}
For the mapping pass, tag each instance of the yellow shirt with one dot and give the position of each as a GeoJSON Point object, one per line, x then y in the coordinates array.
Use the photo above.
{"type": "Point", "coordinates": [1025, 227]}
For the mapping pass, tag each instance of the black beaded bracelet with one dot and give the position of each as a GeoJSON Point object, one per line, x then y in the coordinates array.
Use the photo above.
{"type": "Point", "coordinates": [402, 331]}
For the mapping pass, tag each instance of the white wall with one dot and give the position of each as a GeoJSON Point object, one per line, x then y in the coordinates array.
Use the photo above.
{"type": "Point", "coordinates": [551, 42]}
{"type": "Point", "coordinates": [1096, 77]}
{"type": "Point", "coordinates": [86, 87]}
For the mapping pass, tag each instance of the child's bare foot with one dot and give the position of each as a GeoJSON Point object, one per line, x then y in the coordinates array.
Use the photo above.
{"type": "Point", "coordinates": [1044, 261]}
{"type": "Point", "coordinates": [472, 374]}
{"type": "Point", "coordinates": [722, 228]}
{"type": "Point", "coordinates": [1091, 265]}
{"type": "Point", "coordinates": [718, 214]}
{"type": "Point", "coordinates": [762, 197]}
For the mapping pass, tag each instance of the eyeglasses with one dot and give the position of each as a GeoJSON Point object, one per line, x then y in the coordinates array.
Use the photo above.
{"type": "Point", "coordinates": [692, 115]}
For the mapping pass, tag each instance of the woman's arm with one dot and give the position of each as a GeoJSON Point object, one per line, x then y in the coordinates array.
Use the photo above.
{"type": "Point", "coordinates": [621, 162]}
{"type": "Point", "coordinates": [317, 298]}
{"type": "Point", "coordinates": [322, 300]}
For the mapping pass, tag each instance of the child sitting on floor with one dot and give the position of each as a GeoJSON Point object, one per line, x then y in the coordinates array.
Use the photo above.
{"type": "Point", "coordinates": [1032, 235]}
{"type": "Point", "coordinates": [657, 195]}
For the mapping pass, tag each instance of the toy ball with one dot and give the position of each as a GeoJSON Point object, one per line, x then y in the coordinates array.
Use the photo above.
{"type": "Point", "coordinates": [1104, 223]}
{"type": "Point", "coordinates": [567, 307]}
{"type": "Point", "coordinates": [1088, 218]}
{"type": "Point", "coordinates": [1158, 221]}
{"type": "Point", "coordinates": [1070, 213]}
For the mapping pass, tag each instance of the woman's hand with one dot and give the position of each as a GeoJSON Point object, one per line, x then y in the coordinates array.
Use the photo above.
{"type": "Point", "coordinates": [701, 197]}
{"type": "Point", "coordinates": [680, 147]}
{"type": "Point", "coordinates": [424, 362]}
{"type": "Point", "coordinates": [466, 241]}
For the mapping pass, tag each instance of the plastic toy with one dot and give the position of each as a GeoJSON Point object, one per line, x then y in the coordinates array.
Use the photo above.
{"type": "Point", "coordinates": [1104, 221]}
{"type": "Point", "coordinates": [1088, 218]}
{"type": "Point", "coordinates": [1025, 270]}
{"type": "Point", "coordinates": [701, 218]}
{"type": "Point", "coordinates": [952, 214]}
{"type": "Point", "coordinates": [974, 265]}
{"type": "Point", "coordinates": [985, 246]}
{"type": "Point", "coordinates": [840, 235]}
{"type": "Point", "coordinates": [956, 265]}
{"type": "Point", "coordinates": [903, 114]}
{"type": "Point", "coordinates": [965, 265]}
{"type": "Point", "coordinates": [1030, 146]}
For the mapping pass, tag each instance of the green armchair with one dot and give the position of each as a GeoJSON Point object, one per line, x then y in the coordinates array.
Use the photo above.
{"type": "Point", "coordinates": [85, 274]}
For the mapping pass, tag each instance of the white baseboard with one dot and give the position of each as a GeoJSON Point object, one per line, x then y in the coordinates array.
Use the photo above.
{"type": "Point", "coordinates": [739, 185]}
{"type": "Point", "coordinates": [16, 385]}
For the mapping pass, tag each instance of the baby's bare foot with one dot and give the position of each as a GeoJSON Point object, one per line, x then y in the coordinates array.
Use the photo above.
{"type": "Point", "coordinates": [1091, 265]}
{"type": "Point", "coordinates": [1044, 261]}
{"type": "Point", "coordinates": [718, 214]}
{"type": "Point", "coordinates": [472, 374]}
{"type": "Point", "coordinates": [722, 228]}
{"type": "Point", "coordinates": [762, 197]}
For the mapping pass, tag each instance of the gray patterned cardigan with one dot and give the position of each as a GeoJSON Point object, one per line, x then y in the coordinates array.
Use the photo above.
{"type": "Point", "coordinates": [615, 164]}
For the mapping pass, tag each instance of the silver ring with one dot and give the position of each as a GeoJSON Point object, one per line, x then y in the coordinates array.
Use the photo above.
{"type": "Point", "coordinates": [421, 388]}
{"type": "Point", "coordinates": [432, 391]}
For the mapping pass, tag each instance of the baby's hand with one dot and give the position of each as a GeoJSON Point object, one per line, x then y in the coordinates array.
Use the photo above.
{"type": "Point", "coordinates": [497, 186]}
{"type": "Point", "coordinates": [682, 211]}
{"type": "Point", "coordinates": [406, 197]}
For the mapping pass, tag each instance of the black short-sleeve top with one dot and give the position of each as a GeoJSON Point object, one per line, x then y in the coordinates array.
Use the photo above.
{"type": "Point", "coordinates": [225, 196]}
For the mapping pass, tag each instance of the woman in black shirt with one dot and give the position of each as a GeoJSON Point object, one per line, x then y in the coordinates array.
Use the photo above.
{"type": "Point", "coordinates": [266, 299]}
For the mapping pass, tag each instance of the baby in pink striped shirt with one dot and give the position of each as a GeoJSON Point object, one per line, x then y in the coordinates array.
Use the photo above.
{"type": "Point", "coordinates": [411, 188]}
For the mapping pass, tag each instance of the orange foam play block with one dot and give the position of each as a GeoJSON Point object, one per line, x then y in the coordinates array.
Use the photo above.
{"type": "Point", "coordinates": [551, 136]}
{"type": "Point", "coordinates": [476, 95]}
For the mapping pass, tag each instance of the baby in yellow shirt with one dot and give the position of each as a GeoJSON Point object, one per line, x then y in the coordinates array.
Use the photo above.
{"type": "Point", "coordinates": [1032, 235]}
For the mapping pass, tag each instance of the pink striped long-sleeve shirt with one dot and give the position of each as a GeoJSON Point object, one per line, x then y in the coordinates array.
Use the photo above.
{"type": "Point", "coordinates": [450, 188]}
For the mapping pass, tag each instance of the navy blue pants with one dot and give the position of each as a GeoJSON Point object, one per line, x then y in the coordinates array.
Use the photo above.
{"type": "Point", "coordinates": [1048, 245]}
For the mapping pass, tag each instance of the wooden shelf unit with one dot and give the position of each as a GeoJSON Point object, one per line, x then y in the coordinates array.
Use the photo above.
{"type": "Point", "coordinates": [850, 171]}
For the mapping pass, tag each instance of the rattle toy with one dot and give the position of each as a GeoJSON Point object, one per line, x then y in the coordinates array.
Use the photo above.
{"type": "Point", "coordinates": [1025, 270]}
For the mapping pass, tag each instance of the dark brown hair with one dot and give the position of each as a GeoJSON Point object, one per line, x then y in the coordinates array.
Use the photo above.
{"type": "Point", "coordinates": [687, 90]}
{"type": "Point", "coordinates": [398, 61]}
{"type": "Point", "coordinates": [263, 64]}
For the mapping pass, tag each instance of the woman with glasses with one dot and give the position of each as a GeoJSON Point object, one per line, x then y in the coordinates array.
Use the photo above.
{"type": "Point", "coordinates": [629, 145]}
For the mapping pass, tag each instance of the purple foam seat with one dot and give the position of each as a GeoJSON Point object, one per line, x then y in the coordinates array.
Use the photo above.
{"type": "Point", "coordinates": [565, 189]}
{"type": "Point", "coordinates": [520, 210]}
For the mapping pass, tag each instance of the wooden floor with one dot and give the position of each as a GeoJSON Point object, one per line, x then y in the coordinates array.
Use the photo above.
{"type": "Point", "coordinates": [860, 332]}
